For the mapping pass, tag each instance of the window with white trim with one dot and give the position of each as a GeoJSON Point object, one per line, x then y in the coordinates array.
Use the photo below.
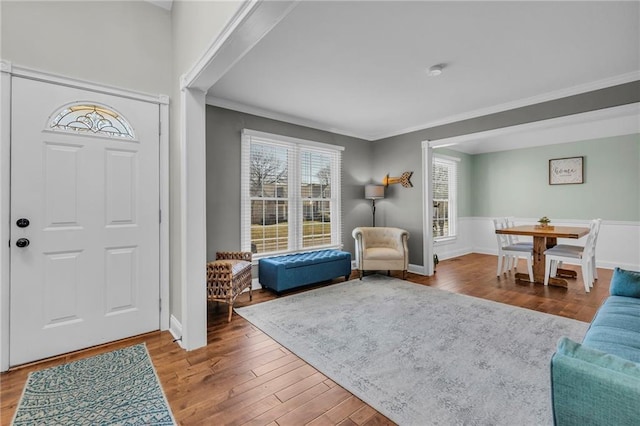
{"type": "Point", "coordinates": [290, 194]}
{"type": "Point", "coordinates": [445, 183]}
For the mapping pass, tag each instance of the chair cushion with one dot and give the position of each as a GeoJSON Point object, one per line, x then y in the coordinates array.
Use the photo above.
{"type": "Point", "coordinates": [237, 266]}
{"type": "Point", "coordinates": [563, 252]}
{"type": "Point", "coordinates": [625, 283]}
{"type": "Point", "coordinates": [518, 247]}
{"type": "Point", "coordinates": [382, 253]}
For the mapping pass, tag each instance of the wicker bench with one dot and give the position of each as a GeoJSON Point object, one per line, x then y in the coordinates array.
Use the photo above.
{"type": "Point", "coordinates": [294, 270]}
{"type": "Point", "coordinates": [228, 276]}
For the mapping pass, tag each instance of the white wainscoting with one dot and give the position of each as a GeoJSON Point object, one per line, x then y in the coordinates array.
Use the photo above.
{"type": "Point", "coordinates": [618, 242]}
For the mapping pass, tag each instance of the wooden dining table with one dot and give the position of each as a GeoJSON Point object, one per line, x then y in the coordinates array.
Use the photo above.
{"type": "Point", "coordinates": [544, 238]}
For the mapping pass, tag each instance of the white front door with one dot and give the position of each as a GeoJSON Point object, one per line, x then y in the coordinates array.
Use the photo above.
{"type": "Point", "coordinates": [85, 177]}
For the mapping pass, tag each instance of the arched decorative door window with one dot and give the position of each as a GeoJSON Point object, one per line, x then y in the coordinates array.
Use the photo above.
{"type": "Point", "coordinates": [88, 117]}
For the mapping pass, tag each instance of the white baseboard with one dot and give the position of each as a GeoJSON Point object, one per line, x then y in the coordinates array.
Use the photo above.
{"type": "Point", "coordinates": [456, 253]}
{"type": "Point", "coordinates": [417, 269]}
{"type": "Point", "coordinates": [176, 330]}
{"type": "Point", "coordinates": [255, 284]}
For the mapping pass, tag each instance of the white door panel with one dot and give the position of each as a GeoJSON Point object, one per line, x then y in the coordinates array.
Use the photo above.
{"type": "Point", "coordinates": [90, 273]}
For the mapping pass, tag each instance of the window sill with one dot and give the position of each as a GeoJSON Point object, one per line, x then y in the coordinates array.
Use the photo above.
{"type": "Point", "coordinates": [445, 241]}
{"type": "Point", "coordinates": [256, 257]}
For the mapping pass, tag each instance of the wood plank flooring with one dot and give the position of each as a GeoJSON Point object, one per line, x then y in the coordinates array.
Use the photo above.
{"type": "Point", "coordinates": [244, 377]}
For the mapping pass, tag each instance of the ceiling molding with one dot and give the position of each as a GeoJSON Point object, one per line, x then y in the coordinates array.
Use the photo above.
{"type": "Point", "coordinates": [261, 112]}
{"type": "Point", "coordinates": [165, 4]}
{"type": "Point", "coordinates": [607, 122]}
{"type": "Point", "coordinates": [559, 94]}
{"type": "Point", "coordinates": [545, 97]}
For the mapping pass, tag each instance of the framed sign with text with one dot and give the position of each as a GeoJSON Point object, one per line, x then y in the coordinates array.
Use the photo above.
{"type": "Point", "coordinates": [564, 171]}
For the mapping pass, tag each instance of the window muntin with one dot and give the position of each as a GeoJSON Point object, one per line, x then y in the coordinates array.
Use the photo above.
{"type": "Point", "coordinates": [291, 199]}
{"type": "Point", "coordinates": [91, 118]}
{"type": "Point", "coordinates": [444, 198]}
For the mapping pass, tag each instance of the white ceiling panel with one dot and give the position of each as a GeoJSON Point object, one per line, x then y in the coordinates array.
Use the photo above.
{"type": "Point", "coordinates": [359, 68]}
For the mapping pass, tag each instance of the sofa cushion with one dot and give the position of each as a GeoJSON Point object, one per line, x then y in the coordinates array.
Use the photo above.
{"type": "Point", "coordinates": [625, 283]}
{"type": "Point", "coordinates": [593, 356]}
{"type": "Point", "coordinates": [616, 328]}
{"type": "Point", "coordinates": [591, 387]}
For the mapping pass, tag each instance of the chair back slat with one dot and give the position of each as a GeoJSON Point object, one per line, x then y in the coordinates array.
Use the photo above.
{"type": "Point", "coordinates": [503, 239]}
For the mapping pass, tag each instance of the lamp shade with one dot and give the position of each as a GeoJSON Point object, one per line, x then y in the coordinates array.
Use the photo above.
{"type": "Point", "coordinates": [373, 192]}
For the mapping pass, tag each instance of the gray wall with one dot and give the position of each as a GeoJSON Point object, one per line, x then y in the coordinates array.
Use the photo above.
{"type": "Point", "coordinates": [403, 207]}
{"type": "Point", "coordinates": [223, 174]}
{"type": "Point", "coordinates": [515, 183]}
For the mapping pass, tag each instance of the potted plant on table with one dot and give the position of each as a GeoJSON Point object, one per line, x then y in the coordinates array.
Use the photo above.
{"type": "Point", "coordinates": [544, 222]}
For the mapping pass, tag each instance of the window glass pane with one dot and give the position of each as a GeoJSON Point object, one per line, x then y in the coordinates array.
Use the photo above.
{"type": "Point", "coordinates": [269, 225]}
{"type": "Point", "coordinates": [316, 225]}
{"type": "Point", "coordinates": [287, 194]}
{"type": "Point", "coordinates": [268, 171]}
{"type": "Point", "coordinates": [91, 118]}
{"type": "Point", "coordinates": [315, 175]}
{"type": "Point", "coordinates": [441, 183]}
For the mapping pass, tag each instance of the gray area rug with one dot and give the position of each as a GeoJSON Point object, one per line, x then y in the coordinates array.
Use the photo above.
{"type": "Point", "coordinates": [423, 356]}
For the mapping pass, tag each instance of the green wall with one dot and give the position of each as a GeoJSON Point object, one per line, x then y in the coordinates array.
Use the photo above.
{"type": "Point", "coordinates": [516, 183]}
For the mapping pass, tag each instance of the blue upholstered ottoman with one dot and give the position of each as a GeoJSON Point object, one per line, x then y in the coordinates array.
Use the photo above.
{"type": "Point", "coordinates": [294, 270]}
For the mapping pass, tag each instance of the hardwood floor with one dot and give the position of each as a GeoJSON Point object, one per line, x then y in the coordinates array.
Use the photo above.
{"type": "Point", "coordinates": [244, 377]}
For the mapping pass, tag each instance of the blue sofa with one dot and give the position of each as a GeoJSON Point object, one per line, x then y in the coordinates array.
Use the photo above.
{"type": "Point", "coordinates": [281, 273]}
{"type": "Point", "coordinates": [598, 382]}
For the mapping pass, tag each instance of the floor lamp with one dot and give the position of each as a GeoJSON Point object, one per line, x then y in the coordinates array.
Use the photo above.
{"type": "Point", "coordinates": [373, 193]}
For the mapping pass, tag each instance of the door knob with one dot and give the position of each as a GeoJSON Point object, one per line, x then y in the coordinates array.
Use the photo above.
{"type": "Point", "coordinates": [22, 242]}
{"type": "Point", "coordinates": [22, 222]}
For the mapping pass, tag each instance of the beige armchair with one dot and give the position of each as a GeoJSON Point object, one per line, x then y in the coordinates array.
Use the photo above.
{"type": "Point", "coordinates": [381, 249]}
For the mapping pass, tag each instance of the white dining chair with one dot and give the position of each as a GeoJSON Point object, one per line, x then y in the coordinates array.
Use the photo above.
{"type": "Point", "coordinates": [508, 254]}
{"type": "Point", "coordinates": [509, 222]}
{"type": "Point", "coordinates": [575, 255]}
{"type": "Point", "coordinates": [571, 247]}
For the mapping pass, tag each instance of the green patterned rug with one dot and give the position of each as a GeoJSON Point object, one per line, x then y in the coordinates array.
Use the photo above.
{"type": "Point", "coordinates": [119, 387]}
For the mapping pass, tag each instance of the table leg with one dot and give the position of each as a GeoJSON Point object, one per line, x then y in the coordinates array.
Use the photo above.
{"type": "Point", "coordinates": [540, 244]}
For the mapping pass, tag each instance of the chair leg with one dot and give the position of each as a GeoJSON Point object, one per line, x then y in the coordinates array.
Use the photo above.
{"type": "Point", "coordinates": [250, 293]}
{"type": "Point", "coordinates": [361, 274]}
{"type": "Point", "coordinates": [530, 269]}
{"type": "Point", "coordinates": [547, 270]}
{"type": "Point", "coordinates": [593, 267]}
{"type": "Point", "coordinates": [586, 276]}
{"type": "Point", "coordinates": [230, 312]}
{"type": "Point", "coordinates": [499, 272]}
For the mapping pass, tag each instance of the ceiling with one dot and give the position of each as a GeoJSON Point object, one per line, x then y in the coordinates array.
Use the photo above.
{"type": "Point", "coordinates": [359, 68]}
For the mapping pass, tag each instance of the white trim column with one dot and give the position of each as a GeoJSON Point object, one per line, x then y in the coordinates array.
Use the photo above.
{"type": "Point", "coordinates": [427, 208]}
{"type": "Point", "coordinates": [5, 210]}
{"type": "Point", "coordinates": [193, 226]}
{"type": "Point", "coordinates": [164, 213]}
{"type": "Point", "coordinates": [253, 20]}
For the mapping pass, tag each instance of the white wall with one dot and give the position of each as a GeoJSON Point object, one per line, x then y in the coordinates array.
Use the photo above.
{"type": "Point", "coordinates": [124, 43]}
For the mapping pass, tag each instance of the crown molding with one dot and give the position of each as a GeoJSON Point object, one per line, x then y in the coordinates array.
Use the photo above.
{"type": "Point", "coordinates": [545, 97]}
{"type": "Point", "coordinates": [261, 112]}
{"type": "Point", "coordinates": [607, 120]}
